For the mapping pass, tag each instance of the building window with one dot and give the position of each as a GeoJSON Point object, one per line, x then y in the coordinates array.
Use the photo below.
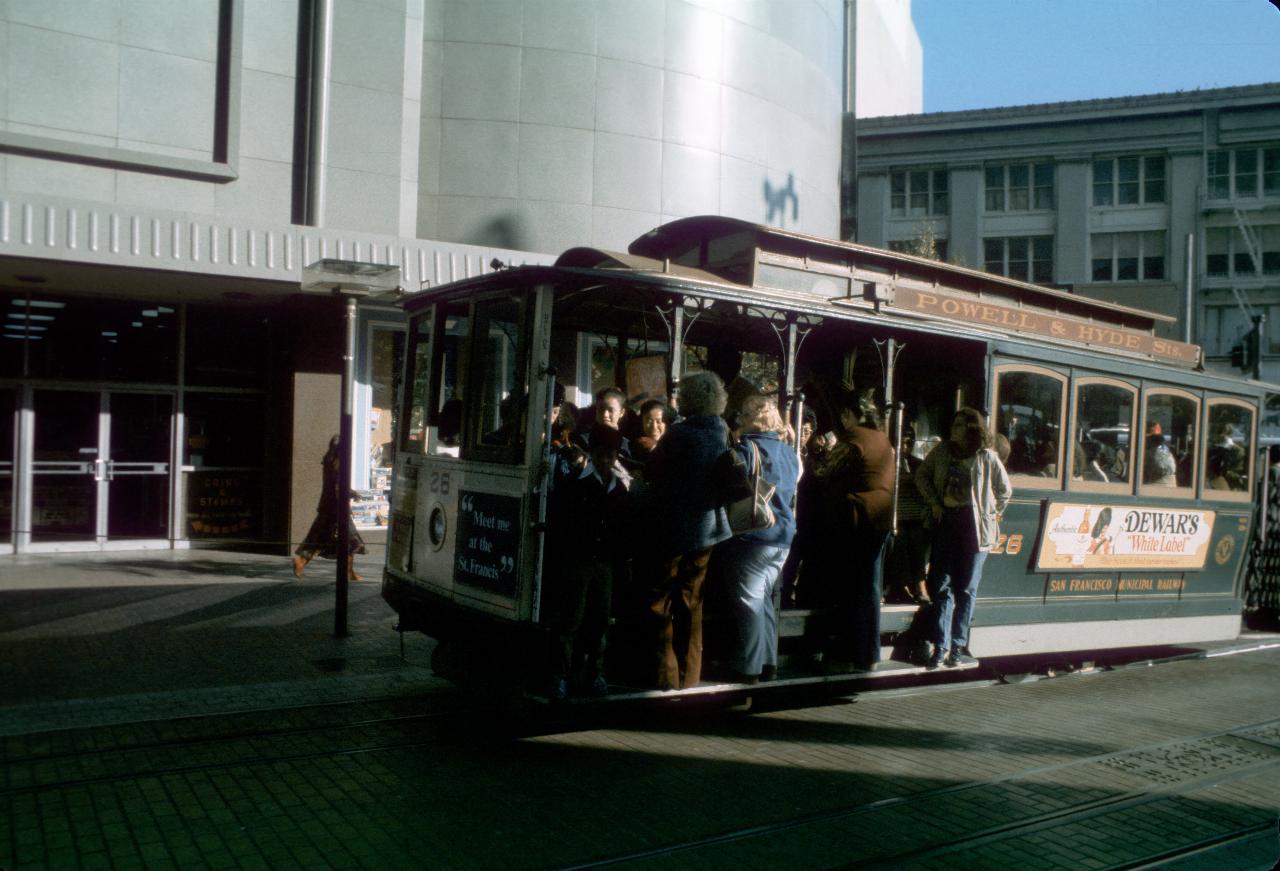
{"type": "Point", "coordinates": [1226, 252]}
{"type": "Point", "coordinates": [918, 192]}
{"type": "Point", "coordinates": [1026, 258]}
{"type": "Point", "coordinates": [916, 247]}
{"type": "Point", "coordinates": [1243, 173]}
{"type": "Point", "coordinates": [1128, 181]}
{"type": "Point", "coordinates": [1128, 256]}
{"type": "Point", "coordinates": [1019, 187]}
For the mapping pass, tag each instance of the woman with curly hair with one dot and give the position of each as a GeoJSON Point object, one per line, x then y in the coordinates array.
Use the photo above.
{"type": "Point", "coordinates": [967, 488]}
{"type": "Point", "coordinates": [754, 560]}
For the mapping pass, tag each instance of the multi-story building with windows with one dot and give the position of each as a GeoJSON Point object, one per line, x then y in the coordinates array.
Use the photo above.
{"type": "Point", "coordinates": [1107, 198]}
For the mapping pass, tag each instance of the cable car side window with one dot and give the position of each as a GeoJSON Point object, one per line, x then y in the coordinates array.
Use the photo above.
{"type": "Point", "coordinates": [448, 375]}
{"type": "Point", "coordinates": [1229, 453]}
{"type": "Point", "coordinates": [1029, 403]}
{"type": "Point", "coordinates": [413, 427]}
{"type": "Point", "coordinates": [1101, 441]}
{"type": "Point", "coordinates": [1169, 443]}
{"type": "Point", "coordinates": [497, 407]}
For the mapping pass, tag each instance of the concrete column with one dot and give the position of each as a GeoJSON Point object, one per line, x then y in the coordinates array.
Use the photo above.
{"type": "Point", "coordinates": [316, 388]}
{"type": "Point", "coordinates": [965, 243]}
{"type": "Point", "coordinates": [873, 208]}
{"type": "Point", "coordinates": [1184, 174]}
{"type": "Point", "coordinates": [1071, 248]}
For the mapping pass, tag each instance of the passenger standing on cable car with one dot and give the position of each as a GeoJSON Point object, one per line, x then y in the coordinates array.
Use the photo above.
{"type": "Point", "coordinates": [857, 483]}
{"type": "Point", "coordinates": [684, 519]}
{"type": "Point", "coordinates": [587, 523]}
{"type": "Point", "coordinates": [967, 489]}
{"type": "Point", "coordinates": [754, 560]}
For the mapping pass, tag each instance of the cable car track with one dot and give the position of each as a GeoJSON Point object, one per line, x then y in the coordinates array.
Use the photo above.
{"type": "Point", "coordinates": [1069, 814]}
{"type": "Point", "coordinates": [148, 759]}
{"type": "Point", "coordinates": [550, 720]}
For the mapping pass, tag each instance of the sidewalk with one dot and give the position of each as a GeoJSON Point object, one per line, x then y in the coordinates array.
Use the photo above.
{"type": "Point", "coordinates": [92, 639]}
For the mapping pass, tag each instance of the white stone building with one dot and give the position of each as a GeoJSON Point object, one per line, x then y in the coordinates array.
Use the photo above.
{"type": "Point", "coordinates": [168, 170]}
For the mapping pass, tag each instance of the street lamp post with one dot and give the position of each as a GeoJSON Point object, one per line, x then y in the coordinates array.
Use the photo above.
{"type": "Point", "coordinates": [351, 280]}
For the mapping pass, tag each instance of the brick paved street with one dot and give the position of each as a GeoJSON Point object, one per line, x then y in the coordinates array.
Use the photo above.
{"type": "Point", "coordinates": [194, 711]}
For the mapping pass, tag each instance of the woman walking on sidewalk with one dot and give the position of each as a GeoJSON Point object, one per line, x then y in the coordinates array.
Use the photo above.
{"type": "Point", "coordinates": [322, 538]}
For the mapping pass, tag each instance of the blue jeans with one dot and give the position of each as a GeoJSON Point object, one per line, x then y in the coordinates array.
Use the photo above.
{"type": "Point", "coordinates": [756, 570]}
{"type": "Point", "coordinates": [955, 569]}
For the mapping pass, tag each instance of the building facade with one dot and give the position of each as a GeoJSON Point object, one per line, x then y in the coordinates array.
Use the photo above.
{"type": "Point", "coordinates": [168, 172]}
{"type": "Point", "coordinates": [1169, 202]}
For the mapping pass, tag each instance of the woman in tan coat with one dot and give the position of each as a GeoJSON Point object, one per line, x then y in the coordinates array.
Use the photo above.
{"type": "Point", "coordinates": [967, 488]}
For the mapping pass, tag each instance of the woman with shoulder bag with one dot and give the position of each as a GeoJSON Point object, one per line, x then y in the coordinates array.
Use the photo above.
{"type": "Point", "coordinates": [753, 560]}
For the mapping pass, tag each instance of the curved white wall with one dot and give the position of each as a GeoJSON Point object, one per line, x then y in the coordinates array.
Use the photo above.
{"type": "Point", "coordinates": [553, 123]}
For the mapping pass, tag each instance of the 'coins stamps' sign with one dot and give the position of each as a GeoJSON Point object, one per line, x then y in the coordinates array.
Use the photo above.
{"type": "Point", "coordinates": [488, 542]}
{"type": "Point", "coordinates": [1092, 538]}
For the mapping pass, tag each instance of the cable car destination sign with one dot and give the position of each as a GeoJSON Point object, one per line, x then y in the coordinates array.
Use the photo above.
{"type": "Point", "coordinates": [1026, 320]}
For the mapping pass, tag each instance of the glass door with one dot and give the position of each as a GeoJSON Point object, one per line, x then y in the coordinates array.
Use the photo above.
{"type": "Point", "coordinates": [137, 466]}
{"type": "Point", "coordinates": [100, 468]}
{"type": "Point", "coordinates": [66, 469]}
{"type": "Point", "coordinates": [8, 421]}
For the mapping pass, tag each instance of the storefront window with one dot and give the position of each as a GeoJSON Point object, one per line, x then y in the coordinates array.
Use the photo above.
{"type": "Point", "coordinates": [225, 443]}
{"type": "Point", "coordinates": [227, 347]}
{"type": "Point", "coordinates": [93, 339]}
{"type": "Point", "coordinates": [386, 366]}
{"type": "Point", "coordinates": [6, 464]}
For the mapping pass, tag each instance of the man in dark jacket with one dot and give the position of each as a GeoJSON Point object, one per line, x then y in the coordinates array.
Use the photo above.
{"type": "Point", "coordinates": [684, 519]}
{"type": "Point", "coordinates": [588, 527]}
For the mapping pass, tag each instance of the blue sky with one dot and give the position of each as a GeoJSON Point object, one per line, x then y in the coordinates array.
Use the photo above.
{"type": "Point", "coordinates": [984, 53]}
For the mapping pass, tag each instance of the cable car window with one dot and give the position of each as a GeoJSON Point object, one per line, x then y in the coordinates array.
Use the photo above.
{"type": "Point", "coordinates": [1101, 447]}
{"type": "Point", "coordinates": [414, 428]}
{"type": "Point", "coordinates": [448, 376]}
{"type": "Point", "coordinates": [1229, 450]}
{"type": "Point", "coordinates": [1029, 406]}
{"type": "Point", "coordinates": [1169, 443]}
{"type": "Point", "coordinates": [498, 406]}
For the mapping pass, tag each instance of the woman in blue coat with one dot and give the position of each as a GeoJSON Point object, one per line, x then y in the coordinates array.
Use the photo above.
{"type": "Point", "coordinates": [754, 560]}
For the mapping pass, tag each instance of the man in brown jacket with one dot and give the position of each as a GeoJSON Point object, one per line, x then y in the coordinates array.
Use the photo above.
{"type": "Point", "coordinates": [857, 477]}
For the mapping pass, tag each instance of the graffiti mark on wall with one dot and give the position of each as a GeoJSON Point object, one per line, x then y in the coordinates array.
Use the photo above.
{"type": "Point", "coordinates": [776, 200]}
